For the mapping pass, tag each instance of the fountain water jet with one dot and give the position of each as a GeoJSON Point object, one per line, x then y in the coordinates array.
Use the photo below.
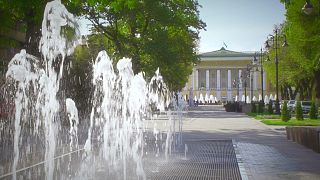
{"type": "Point", "coordinates": [121, 103]}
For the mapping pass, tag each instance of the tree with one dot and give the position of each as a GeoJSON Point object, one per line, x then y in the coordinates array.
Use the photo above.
{"type": "Point", "coordinates": [270, 110]}
{"type": "Point", "coordinates": [26, 17]}
{"type": "Point", "coordinates": [152, 33]}
{"type": "Point", "coordinates": [298, 110]}
{"type": "Point", "coordinates": [285, 115]}
{"type": "Point", "coordinates": [303, 35]}
{"type": "Point", "coordinates": [260, 107]}
{"type": "Point", "coordinates": [253, 107]}
{"type": "Point", "coordinates": [313, 114]}
{"type": "Point", "coordinates": [290, 75]}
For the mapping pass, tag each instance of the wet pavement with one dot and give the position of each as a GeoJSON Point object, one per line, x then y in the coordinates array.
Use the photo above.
{"type": "Point", "coordinates": [264, 151]}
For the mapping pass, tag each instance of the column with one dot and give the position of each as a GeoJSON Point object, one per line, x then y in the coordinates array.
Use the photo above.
{"type": "Point", "coordinates": [229, 92]}
{"type": "Point", "coordinates": [264, 81]}
{"type": "Point", "coordinates": [206, 97]}
{"type": "Point", "coordinates": [240, 85]}
{"type": "Point", "coordinates": [250, 87]}
{"type": "Point", "coordinates": [193, 78]}
{"type": "Point", "coordinates": [197, 83]}
{"type": "Point", "coordinates": [218, 85]}
{"type": "Point", "coordinates": [255, 85]}
{"type": "Point", "coordinates": [207, 80]}
{"type": "Point", "coordinates": [255, 80]}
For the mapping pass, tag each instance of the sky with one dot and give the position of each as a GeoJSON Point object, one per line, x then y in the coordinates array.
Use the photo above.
{"type": "Point", "coordinates": [243, 25]}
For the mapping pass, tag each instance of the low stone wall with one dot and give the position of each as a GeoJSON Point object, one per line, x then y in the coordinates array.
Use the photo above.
{"type": "Point", "coordinates": [307, 136]}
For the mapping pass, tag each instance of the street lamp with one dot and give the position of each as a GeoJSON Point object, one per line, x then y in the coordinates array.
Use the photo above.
{"type": "Point", "coordinates": [236, 83]}
{"type": "Point", "coordinates": [260, 63]}
{"type": "Point", "coordinates": [275, 45]}
{"type": "Point", "coordinates": [308, 7]}
{"type": "Point", "coordinates": [244, 76]}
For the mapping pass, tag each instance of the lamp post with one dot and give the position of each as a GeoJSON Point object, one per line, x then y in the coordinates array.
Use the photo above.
{"type": "Point", "coordinates": [245, 76]}
{"type": "Point", "coordinates": [250, 69]}
{"type": "Point", "coordinates": [275, 45]}
{"type": "Point", "coordinates": [245, 91]}
{"type": "Point", "coordinates": [260, 63]}
{"type": "Point", "coordinates": [308, 7]}
{"type": "Point", "coordinates": [236, 83]}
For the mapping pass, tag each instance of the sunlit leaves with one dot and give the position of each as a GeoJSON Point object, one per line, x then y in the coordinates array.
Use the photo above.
{"type": "Point", "coordinates": [154, 34]}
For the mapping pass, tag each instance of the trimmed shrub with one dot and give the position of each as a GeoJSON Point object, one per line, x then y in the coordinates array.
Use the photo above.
{"type": "Point", "coordinates": [270, 110]}
{"type": "Point", "coordinates": [261, 107]}
{"type": "Point", "coordinates": [232, 107]}
{"type": "Point", "coordinates": [313, 111]}
{"type": "Point", "coordinates": [285, 116]}
{"type": "Point", "coordinates": [298, 110]}
{"type": "Point", "coordinates": [253, 107]}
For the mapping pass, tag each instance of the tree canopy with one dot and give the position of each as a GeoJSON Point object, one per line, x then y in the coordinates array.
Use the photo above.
{"type": "Point", "coordinates": [299, 63]}
{"type": "Point", "coordinates": [152, 33]}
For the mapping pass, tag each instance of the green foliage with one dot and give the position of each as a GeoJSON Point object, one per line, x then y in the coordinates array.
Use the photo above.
{"type": "Point", "coordinates": [285, 114]}
{"type": "Point", "coordinates": [270, 110]}
{"type": "Point", "coordinates": [313, 114]}
{"type": "Point", "coordinates": [232, 107]}
{"type": "Point", "coordinates": [292, 122]}
{"type": "Point", "coordinates": [299, 63]}
{"type": "Point", "coordinates": [253, 107]}
{"type": "Point", "coordinates": [298, 110]}
{"type": "Point", "coordinates": [25, 17]}
{"type": "Point", "coordinates": [153, 34]}
{"type": "Point", "coordinates": [261, 107]}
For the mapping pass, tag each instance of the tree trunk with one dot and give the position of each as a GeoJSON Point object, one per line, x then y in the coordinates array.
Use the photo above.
{"type": "Point", "coordinates": [317, 84]}
{"type": "Point", "coordinates": [136, 65]}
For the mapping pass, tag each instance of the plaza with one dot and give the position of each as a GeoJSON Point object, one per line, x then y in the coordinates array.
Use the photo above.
{"type": "Point", "coordinates": [106, 90]}
{"type": "Point", "coordinates": [264, 151]}
{"type": "Point", "coordinates": [230, 146]}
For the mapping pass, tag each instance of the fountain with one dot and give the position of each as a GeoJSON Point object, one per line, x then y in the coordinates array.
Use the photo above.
{"type": "Point", "coordinates": [248, 99]}
{"type": "Point", "coordinates": [243, 98]}
{"type": "Point", "coordinates": [211, 99]}
{"type": "Point", "coordinates": [122, 101]}
{"type": "Point", "coordinates": [201, 99]}
{"type": "Point", "coordinates": [266, 99]}
{"type": "Point", "coordinates": [206, 98]}
{"type": "Point", "coordinates": [254, 99]}
{"type": "Point", "coordinates": [271, 97]}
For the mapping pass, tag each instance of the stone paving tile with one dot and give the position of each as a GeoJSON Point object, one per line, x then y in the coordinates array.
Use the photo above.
{"type": "Point", "coordinates": [264, 150]}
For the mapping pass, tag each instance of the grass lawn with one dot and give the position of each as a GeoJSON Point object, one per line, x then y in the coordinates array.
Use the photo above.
{"type": "Point", "coordinates": [292, 122]}
{"type": "Point", "coordinates": [262, 116]}
{"type": "Point", "coordinates": [273, 119]}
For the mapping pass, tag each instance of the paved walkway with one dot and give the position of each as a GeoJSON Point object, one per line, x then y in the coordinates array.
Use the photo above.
{"type": "Point", "coordinates": [265, 151]}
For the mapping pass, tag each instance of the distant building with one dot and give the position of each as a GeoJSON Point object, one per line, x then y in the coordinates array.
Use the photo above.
{"type": "Point", "coordinates": [220, 75]}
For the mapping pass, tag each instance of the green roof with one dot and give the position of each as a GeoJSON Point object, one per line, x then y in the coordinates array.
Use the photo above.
{"type": "Point", "coordinates": [226, 53]}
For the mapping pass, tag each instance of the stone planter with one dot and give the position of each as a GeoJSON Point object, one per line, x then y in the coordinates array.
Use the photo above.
{"type": "Point", "coordinates": [305, 135]}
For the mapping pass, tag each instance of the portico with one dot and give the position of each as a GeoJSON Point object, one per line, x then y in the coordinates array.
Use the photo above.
{"type": "Point", "coordinates": [219, 75]}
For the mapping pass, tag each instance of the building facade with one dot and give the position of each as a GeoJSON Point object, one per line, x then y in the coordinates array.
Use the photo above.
{"type": "Point", "coordinates": [225, 75]}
